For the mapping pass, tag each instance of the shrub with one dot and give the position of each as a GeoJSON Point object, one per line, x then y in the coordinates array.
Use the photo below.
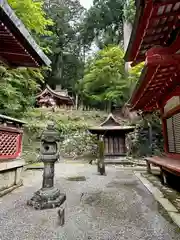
{"type": "Point", "coordinates": [139, 139]}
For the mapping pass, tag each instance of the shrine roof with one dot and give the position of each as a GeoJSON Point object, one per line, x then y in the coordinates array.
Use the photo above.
{"type": "Point", "coordinates": [60, 95]}
{"type": "Point", "coordinates": [111, 124]}
{"type": "Point", "coordinates": [156, 24]}
{"type": "Point", "coordinates": [159, 78]}
{"type": "Point", "coordinates": [17, 47]}
{"type": "Point", "coordinates": [110, 121]}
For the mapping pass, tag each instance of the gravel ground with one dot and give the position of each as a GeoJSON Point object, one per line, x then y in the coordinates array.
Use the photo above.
{"type": "Point", "coordinates": [112, 207]}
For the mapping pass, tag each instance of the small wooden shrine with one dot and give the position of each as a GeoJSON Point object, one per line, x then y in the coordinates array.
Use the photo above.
{"type": "Point", "coordinates": [155, 39]}
{"type": "Point", "coordinates": [114, 138]}
{"type": "Point", "coordinates": [17, 48]}
{"type": "Point", "coordinates": [54, 98]}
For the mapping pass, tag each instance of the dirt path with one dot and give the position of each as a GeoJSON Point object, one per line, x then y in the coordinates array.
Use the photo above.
{"type": "Point", "coordinates": [112, 207]}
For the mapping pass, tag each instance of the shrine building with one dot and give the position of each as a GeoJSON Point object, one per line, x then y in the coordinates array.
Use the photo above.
{"type": "Point", "coordinates": [54, 98]}
{"type": "Point", "coordinates": [17, 49]}
{"type": "Point", "coordinates": [155, 39]}
{"type": "Point", "coordinates": [114, 138]}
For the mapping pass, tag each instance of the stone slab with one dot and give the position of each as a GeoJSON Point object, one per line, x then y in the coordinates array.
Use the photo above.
{"type": "Point", "coordinates": [117, 160]}
{"type": "Point", "coordinates": [10, 175]}
{"type": "Point", "coordinates": [10, 164]}
{"type": "Point", "coordinates": [158, 195]}
{"type": "Point", "coordinates": [7, 179]}
{"type": "Point", "coordinates": [18, 175]}
{"type": "Point", "coordinates": [167, 205]}
{"type": "Point", "coordinates": [10, 189]}
{"type": "Point", "coordinates": [175, 217]}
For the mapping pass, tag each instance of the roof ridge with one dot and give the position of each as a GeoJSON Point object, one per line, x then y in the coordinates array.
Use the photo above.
{"type": "Point", "coordinates": [110, 116]}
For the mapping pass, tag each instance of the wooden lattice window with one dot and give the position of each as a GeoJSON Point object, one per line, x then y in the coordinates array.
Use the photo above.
{"type": "Point", "coordinates": [176, 123]}
{"type": "Point", "coordinates": [10, 144]}
{"type": "Point", "coordinates": [173, 133]}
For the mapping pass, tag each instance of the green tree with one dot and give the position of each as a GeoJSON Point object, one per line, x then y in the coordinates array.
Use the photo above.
{"type": "Point", "coordinates": [129, 11]}
{"type": "Point", "coordinates": [133, 76]}
{"type": "Point", "coordinates": [32, 15]}
{"type": "Point", "coordinates": [18, 88]}
{"type": "Point", "coordinates": [104, 22]}
{"type": "Point", "coordinates": [105, 82]}
{"type": "Point", "coordinates": [66, 56]}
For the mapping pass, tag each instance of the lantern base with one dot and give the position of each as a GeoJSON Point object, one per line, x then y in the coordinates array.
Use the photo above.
{"type": "Point", "coordinates": [47, 198]}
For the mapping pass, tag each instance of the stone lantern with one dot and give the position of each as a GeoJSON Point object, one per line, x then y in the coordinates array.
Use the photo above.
{"type": "Point", "coordinates": [48, 196]}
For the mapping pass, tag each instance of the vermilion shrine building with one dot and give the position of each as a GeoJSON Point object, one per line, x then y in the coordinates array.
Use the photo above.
{"type": "Point", "coordinates": [17, 48]}
{"type": "Point", "coordinates": [155, 39]}
{"type": "Point", "coordinates": [114, 135]}
{"type": "Point", "coordinates": [54, 98]}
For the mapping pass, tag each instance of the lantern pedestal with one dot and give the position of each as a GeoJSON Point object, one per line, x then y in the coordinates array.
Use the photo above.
{"type": "Point", "coordinates": [48, 196]}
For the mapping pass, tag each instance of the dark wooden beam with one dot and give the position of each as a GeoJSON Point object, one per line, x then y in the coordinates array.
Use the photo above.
{"type": "Point", "coordinates": [11, 53]}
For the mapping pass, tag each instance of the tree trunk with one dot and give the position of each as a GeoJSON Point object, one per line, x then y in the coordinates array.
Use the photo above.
{"type": "Point", "coordinates": [77, 98]}
{"type": "Point", "coordinates": [109, 107]}
{"type": "Point", "coordinates": [127, 29]}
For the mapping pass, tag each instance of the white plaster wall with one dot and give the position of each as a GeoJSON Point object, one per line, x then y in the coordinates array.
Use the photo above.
{"type": "Point", "coordinates": [127, 29]}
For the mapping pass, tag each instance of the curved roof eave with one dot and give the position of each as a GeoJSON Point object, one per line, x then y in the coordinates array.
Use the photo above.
{"type": "Point", "coordinates": [18, 27]}
{"type": "Point", "coordinates": [95, 130]}
{"type": "Point", "coordinates": [51, 91]}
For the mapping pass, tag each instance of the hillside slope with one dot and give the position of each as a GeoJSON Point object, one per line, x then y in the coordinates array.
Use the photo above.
{"type": "Point", "coordinates": [72, 125]}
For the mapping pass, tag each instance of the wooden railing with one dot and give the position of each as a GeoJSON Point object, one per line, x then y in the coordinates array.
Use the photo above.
{"type": "Point", "coordinates": [10, 138]}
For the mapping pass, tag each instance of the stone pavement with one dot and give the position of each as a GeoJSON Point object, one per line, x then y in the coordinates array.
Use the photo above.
{"type": "Point", "coordinates": [112, 207]}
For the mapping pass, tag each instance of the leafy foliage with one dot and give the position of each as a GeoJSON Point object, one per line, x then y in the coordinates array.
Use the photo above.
{"type": "Point", "coordinates": [134, 74]}
{"type": "Point", "coordinates": [72, 125]}
{"type": "Point", "coordinates": [79, 144]}
{"type": "Point", "coordinates": [32, 15]}
{"type": "Point", "coordinates": [139, 144]}
{"type": "Point", "coordinates": [65, 42]}
{"type": "Point", "coordinates": [129, 11]}
{"type": "Point", "coordinates": [66, 31]}
{"type": "Point", "coordinates": [104, 22]}
{"type": "Point", "coordinates": [105, 81]}
{"type": "Point", "coordinates": [18, 87]}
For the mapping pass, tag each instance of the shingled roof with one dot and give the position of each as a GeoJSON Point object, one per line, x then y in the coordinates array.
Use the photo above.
{"type": "Point", "coordinates": [111, 124]}
{"type": "Point", "coordinates": [60, 95]}
{"type": "Point", "coordinates": [156, 24]}
{"type": "Point", "coordinates": [17, 47]}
